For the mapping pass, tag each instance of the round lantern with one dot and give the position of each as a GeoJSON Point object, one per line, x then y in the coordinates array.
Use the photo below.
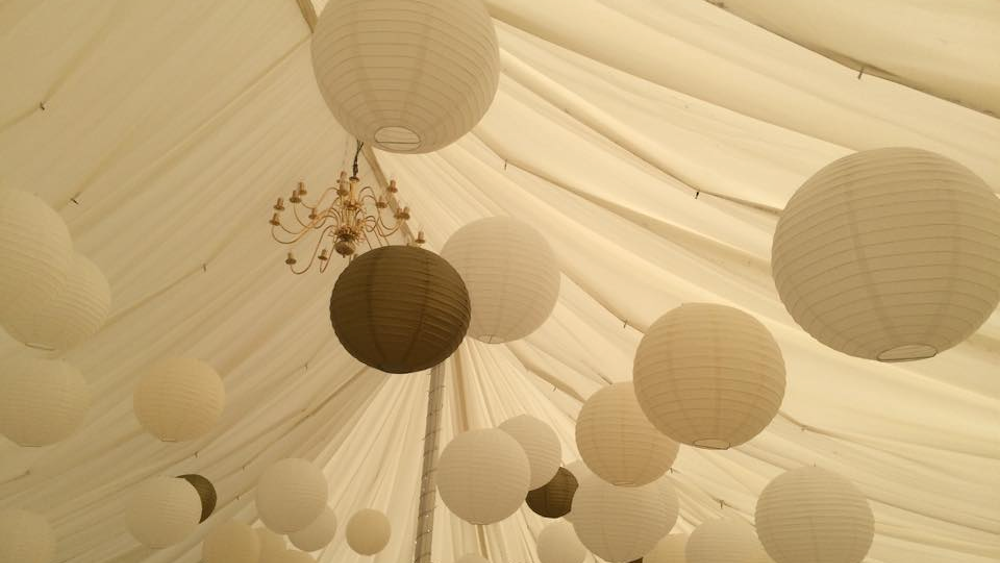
{"type": "Point", "coordinates": [25, 537]}
{"type": "Point", "coordinates": [292, 556]}
{"type": "Point", "coordinates": [555, 498]}
{"type": "Point", "coordinates": [472, 558]}
{"type": "Point", "coordinates": [724, 541]}
{"type": "Point", "coordinates": [811, 515]}
{"type": "Point", "coordinates": [410, 77]}
{"type": "Point", "coordinates": [71, 315]}
{"type": "Point", "coordinates": [36, 252]}
{"type": "Point", "coordinates": [179, 399]}
{"type": "Point", "coordinates": [581, 472]}
{"type": "Point", "coordinates": [621, 523]}
{"type": "Point", "coordinates": [616, 440]}
{"type": "Point", "coordinates": [557, 543]}
{"type": "Point", "coordinates": [291, 494]}
{"type": "Point", "coordinates": [231, 542]}
{"type": "Point", "coordinates": [483, 476]}
{"type": "Point", "coordinates": [512, 275]}
{"type": "Point", "coordinates": [317, 535]}
{"type": "Point", "coordinates": [709, 375]}
{"type": "Point", "coordinates": [670, 549]}
{"type": "Point", "coordinates": [206, 492]}
{"type": "Point", "coordinates": [890, 254]}
{"type": "Point", "coordinates": [272, 546]}
{"type": "Point", "coordinates": [541, 445]}
{"type": "Point", "coordinates": [42, 402]}
{"type": "Point", "coordinates": [368, 531]}
{"type": "Point", "coordinates": [162, 511]}
{"type": "Point", "coordinates": [400, 309]}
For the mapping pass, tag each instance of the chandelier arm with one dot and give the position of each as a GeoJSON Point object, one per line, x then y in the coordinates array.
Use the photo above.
{"type": "Point", "coordinates": [296, 235]}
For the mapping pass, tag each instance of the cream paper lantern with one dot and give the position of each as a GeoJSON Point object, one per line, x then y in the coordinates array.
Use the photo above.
{"type": "Point", "coordinates": [616, 440]}
{"type": "Point", "coordinates": [472, 558]}
{"type": "Point", "coordinates": [724, 541]}
{"type": "Point", "coordinates": [179, 399]}
{"type": "Point", "coordinates": [709, 375]}
{"type": "Point", "coordinates": [25, 537]}
{"type": "Point", "coordinates": [622, 523]}
{"type": "Point", "coordinates": [890, 254]}
{"type": "Point", "coordinates": [162, 511]}
{"type": "Point", "coordinates": [272, 546]}
{"type": "Point", "coordinates": [291, 495]}
{"type": "Point", "coordinates": [541, 445]}
{"type": "Point", "coordinates": [557, 543]}
{"type": "Point", "coordinates": [483, 476]}
{"type": "Point", "coordinates": [368, 531]}
{"type": "Point", "coordinates": [317, 535]}
{"type": "Point", "coordinates": [231, 542]}
{"type": "Point", "coordinates": [670, 549]}
{"type": "Point", "coordinates": [811, 515]}
{"type": "Point", "coordinates": [512, 275]}
{"type": "Point", "coordinates": [293, 556]}
{"type": "Point", "coordinates": [406, 77]}
{"type": "Point", "coordinates": [41, 401]}
{"type": "Point", "coordinates": [579, 470]}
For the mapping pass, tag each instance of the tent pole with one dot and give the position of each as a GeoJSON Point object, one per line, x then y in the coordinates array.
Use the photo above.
{"type": "Point", "coordinates": [428, 489]}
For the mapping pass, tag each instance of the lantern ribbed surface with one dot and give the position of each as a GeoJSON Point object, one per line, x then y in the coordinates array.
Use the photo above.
{"type": "Point", "coordinates": [25, 537]}
{"type": "Point", "coordinates": [317, 535]}
{"type": "Point", "coordinates": [179, 399]}
{"type": "Point", "coordinates": [890, 254]}
{"type": "Point", "coordinates": [368, 531]}
{"type": "Point", "coordinates": [472, 558]}
{"type": "Point", "coordinates": [811, 515]}
{"type": "Point", "coordinates": [617, 441]}
{"type": "Point", "coordinates": [231, 542]}
{"type": "Point", "coordinates": [670, 549]}
{"type": "Point", "coordinates": [512, 275]}
{"type": "Point", "coordinates": [709, 375]}
{"type": "Point", "coordinates": [483, 476]}
{"type": "Point", "coordinates": [291, 494]}
{"type": "Point", "coordinates": [541, 445]}
{"type": "Point", "coordinates": [621, 523]}
{"type": "Point", "coordinates": [271, 545]}
{"type": "Point", "coordinates": [162, 511]}
{"type": "Point", "coordinates": [400, 309]}
{"type": "Point", "coordinates": [724, 541]}
{"type": "Point", "coordinates": [206, 492]}
{"type": "Point", "coordinates": [41, 401]}
{"type": "Point", "coordinates": [557, 543]}
{"type": "Point", "coordinates": [555, 498]}
{"type": "Point", "coordinates": [407, 76]}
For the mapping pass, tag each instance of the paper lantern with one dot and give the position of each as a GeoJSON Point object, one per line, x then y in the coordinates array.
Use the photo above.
{"type": "Point", "coordinates": [616, 440]}
{"type": "Point", "coordinates": [472, 558]}
{"type": "Point", "coordinates": [317, 535]}
{"type": "Point", "coordinates": [231, 542]}
{"type": "Point", "coordinates": [811, 515]}
{"type": "Point", "coordinates": [555, 498]}
{"type": "Point", "coordinates": [709, 375]}
{"type": "Point", "coordinates": [670, 549]}
{"type": "Point", "coordinates": [206, 492]}
{"type": "Point", "coordinates": [579, 470]}
{"type": "Point", "coordinates": [42, 401]}
{"type": "Point", "coordinates": [621, 523]}
{"type": "Point", "coordinates": [406, 77]}
{"type": "Point", "coordinates": [162, 511]}
{"type": "Point", "coordinates": [724, 541]}
{"type": "Point", "coordinates": [368, 531]}
{"type": "Point", "coordinates": [512, 275]}
{"type": "Point", "coordinates": [71, 315]}
{"type": "Point", "coordinates": [36, 252]}
{"type": "Point", "coordinates": [400, 309]}
{"type": "Point", "coordinates": [25, 537]}
{"type": "Point", "coordinates": [890, 254]}
{"type": "Point", "coordinates": [557, 543]}
{"type": "Point", "coordinates": [291, 494]}
{"type": "Point", "coordinates": [541, 445]}
{"type": "Point", "coordinates": [293, 556]}
{"type": "Point", "coordinates": [483, 476]}
{"type": "Point", "coordinates": [272, 546]}
{"type": "Point", "coordinates": [179, 399]}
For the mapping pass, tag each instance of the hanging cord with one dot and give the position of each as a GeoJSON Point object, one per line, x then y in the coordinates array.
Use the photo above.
{"type": "Point", "coordinates": [357, 153]}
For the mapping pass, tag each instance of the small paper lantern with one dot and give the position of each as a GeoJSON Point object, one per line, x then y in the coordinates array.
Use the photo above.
{"type": "Point", "coordinates": [206, 492]}
{"type": "Point", "coordinates": [162, 511]}
{"type": "Point", "coordinates": [579, 470]}
{"type": "Point", "coordinates": [557, 543]}
{"type": "Point", "coordinates": [231, 542]}
{"type": "Point", "coordinates": [472, 558]}
{"type": "Point", "coordinates": [179, 399]}
{"type": "Point", "coordinates": [670, 549]}
{"type": "Point", "coordinates": [293, 556]}
{"type": "Point", "coordinates": [272, 546]}
{"type": "Point", "coordinates": [483, 476]}
{"type": "Point", "coordinates": [811, 515]}
{"type": "Point", "coordinates": [555, 498]}
{"type": "Point", "coordinates": [400, 309]}
{"type": "Point", "coordinates": [25, 537]}
{"type": "Point", "coordinates": [709, 375]}
{"type": "Point", "coordinates": [724, 541]}
{"type": "Point", "coordinates": [291, 494]}
{"type": "Point", "coordinates": [317, 535]}
{"type": "Point", "coordinates": [621, 523]}
{"type": "Point", "coordinates": [890, 254]}
{"type": "Point", "coordinates": [618, 443]}
{"type": "Point", "coordinates": [368, 531]}
{"type": "Point", "coordinates": [512, 275]}
{"type": "Point", "coordinates": [407, 77]}
{"type": "Point", "coordinates": [42, 401]}
{"type": "Point", "coordinates": [541, 445]}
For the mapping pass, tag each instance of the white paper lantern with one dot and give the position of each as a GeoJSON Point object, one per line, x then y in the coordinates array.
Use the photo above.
{"type": "Point", "coordinates": [579, 470]}
{"type": "Point", "coordinates": [724, 541]}
{"type": "Point", "coordinates": [272, 546]}
{"type": "Point", "coordinates": [616, 440]}
{"type": "Point", "coordinates": [36, 252]}
{"type": "Point", "coordinates": [293, 556]}
{"type": "Point", "coordinates": [408, 77]}
{"type": "Point", "coordinates": [368, 531]}
{"type": "Point", "coordinates": [511, 273]}
{"type": "Point", "coordinates": [670, 549]}
{"type": "Point", "coordinates": [811, 515]}
{"type": "Point", "coordinates": [621, 523]}
{"type": "Point", "coordinates": [483, 476]}
{"type": "Point", "coordinates": [541, 445]}
{"type": "Point", "coordinates": [291, 494]}
{"type": "Point", "coordinates": [42, 401]}
{"type": "Point", "coordinates": [162, 511]}
{"type": "Point", "coordinates": [317, 535]}
{"type": "Point", "coordinates": [25, 537]}
{"type": "Point", "coordinates": [557, 543]}
{"type": "Point", "coordinates": [890, 254]}
{"type": "Point", "coordinates": [472, 558]}
{"type": "Point", "coordinates": [231, 542]}
{"type": "Point", "coordinates": [179, 399]}
{"type": "Point", "coordinates": [709, 375]}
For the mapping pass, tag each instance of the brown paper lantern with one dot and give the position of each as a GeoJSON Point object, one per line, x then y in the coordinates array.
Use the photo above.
{"type": "Point", "coordinates": [555, 498]}
{"type": "Point", "coordinates": [400, 309]}
{"type": "Point", "coordinates": [206, 492]}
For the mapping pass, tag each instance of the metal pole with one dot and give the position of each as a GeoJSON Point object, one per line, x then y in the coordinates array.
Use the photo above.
{"type": "Point", "coordinates": [428, 489]}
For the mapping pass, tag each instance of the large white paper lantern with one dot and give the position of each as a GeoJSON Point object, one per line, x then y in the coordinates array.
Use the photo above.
{"type": "Point", "coordinates": [557, 543]}
{"type": "Point", "coordinates": [472, 558]}
{"type": "Point", "coordinates": [670, 549]}
{"type": "Point", "coordinates": [540, 443]}
{"type": "Point", "coordinates": [709, 375]}
{"type": "Point", "coordinates": [231, 542]}
{"type": "Point", "coordinates": [408, 77]}
{"type": "Point", "coordinates": [179, 399]}
{"type": "Point", "coordinates": [317, 535]}
{"type": "Point", "coordinates": [724, 541]}
{"type": "Point", "coordinates": [617, 441]}
{"type": "Point", "coordinates": [368, 531]}
{"type": "Point", "coordinates": [162, 511]}
{"type": "Point", "coordinates": [621, 523]}
{"type": "Point", "coordinates": [291, 494]}
{"type": "Point", "coordinates": [890, 254]}
{"type": "Point", "coordinates": [25, 537]}
{"type": "Point", "coordinates": [271, 545]}
{"type": "Point", "coordinates": [483, 476]}
{"type": "Point", "coordinates": [41, 401]}
{"type": "Point", "coordinates": [512, 275]}
{"type": "Point", "coordinates": [811, 515]}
